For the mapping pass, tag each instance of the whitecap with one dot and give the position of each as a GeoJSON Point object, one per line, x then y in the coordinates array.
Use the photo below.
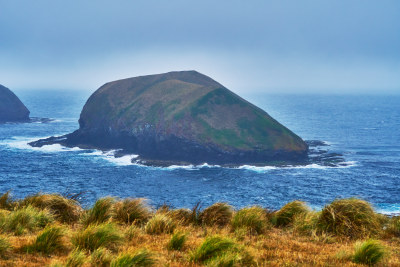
{"type": "Point", "coordinates": [18, 142]}
{"type": "Point", "coordinates": [109, 156]}
{"type": "Point", "coordinates": [342, 165]}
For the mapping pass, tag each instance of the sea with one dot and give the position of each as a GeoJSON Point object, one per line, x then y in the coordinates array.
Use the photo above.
{"type": "Point", "coordinates": [363, 129]}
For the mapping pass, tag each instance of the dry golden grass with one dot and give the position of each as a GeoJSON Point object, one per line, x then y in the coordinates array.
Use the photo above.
{"type": "Point", "coordinates": [276, 247]}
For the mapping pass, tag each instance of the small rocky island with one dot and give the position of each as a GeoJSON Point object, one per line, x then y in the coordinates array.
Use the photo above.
{"type": "Point", "coordinates": [180, 118]}
{"type": "Point", "coordinates": [11, 108]}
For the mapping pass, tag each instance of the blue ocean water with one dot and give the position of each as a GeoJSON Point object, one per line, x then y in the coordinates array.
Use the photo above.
{"type": "Point", "coordinates": [364, 129]}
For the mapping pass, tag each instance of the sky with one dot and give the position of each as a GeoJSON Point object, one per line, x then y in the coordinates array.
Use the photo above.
{"type": "Point", "coordinates": [254, 46]}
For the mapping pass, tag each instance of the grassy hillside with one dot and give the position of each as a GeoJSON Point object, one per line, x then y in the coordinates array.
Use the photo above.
{"type": "Point", "coordinates": [187, 105]}
{"type": "Point", "coordinates": [51, 230]}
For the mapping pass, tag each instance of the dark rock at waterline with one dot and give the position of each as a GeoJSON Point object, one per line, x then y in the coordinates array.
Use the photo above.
{"type": "Point", "coordinates": [181, 117]}
{"type": "Point", "coordinates": [11, 107]}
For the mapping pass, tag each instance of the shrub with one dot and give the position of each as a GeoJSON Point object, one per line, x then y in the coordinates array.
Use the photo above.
{"type": "Point", "coordinates": [26, 219]}
{"type": "Point", "coordinates": [76, 259]}
{"type": "Point", "coordinates": [306, 223]}
{"type": "Point", "coordinates": [96, 236]}
{"type": "Point", "coordinates": [160, 224]}
{"type": "Point", "coordinates": [177, 241]}
{"type": "Point", "coordinates": [252, 218]}
{"type": "Point", "coordinates": [140, 258]}
{"type": "Point", "coordinates": [349, 217]}
{"type": "Point", "coordinates": [369, 252]}
{"type": "Point", "coordinates": [287, 213]}
{"type": "Point", "coordinates": [65, 210]}
{"type": "Point", "coordinates": [217, 214]}
{"type": "Point", "coordinates": [4, 246]}
{"type": "Point", "coordinates": [212, 247]}
{"type": "Point", "coordinates": [100, 212]}
{"type": "Point", "coordinates": [48, 241]}
{"type": "Point", "coordinates": [132, 211]}
{"type": "Point", "coordinates": [6, 201]}
{"type": "Point", "coordinates": [101, 257]}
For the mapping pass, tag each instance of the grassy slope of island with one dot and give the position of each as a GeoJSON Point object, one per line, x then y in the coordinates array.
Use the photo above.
{"type": "Point", "coordinates": [52, 230]}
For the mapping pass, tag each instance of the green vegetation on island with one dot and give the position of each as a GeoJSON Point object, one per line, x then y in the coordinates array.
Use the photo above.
{"type": "Point", "coordinates": [181, 117]}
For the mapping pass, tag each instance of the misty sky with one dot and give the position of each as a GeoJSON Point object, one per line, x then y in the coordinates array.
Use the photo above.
{"type": "Point", "coordinates": [249, 46]}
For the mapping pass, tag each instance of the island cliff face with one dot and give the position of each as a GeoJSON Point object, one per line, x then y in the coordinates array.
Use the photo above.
{"type": "Point", "coordinates": [11, 108]}
{"type": "Point", "coordinates": [182, 117]}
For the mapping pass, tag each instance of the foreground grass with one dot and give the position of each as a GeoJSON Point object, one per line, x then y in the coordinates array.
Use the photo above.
{"type": "Point", "coordinates": [50, 230]}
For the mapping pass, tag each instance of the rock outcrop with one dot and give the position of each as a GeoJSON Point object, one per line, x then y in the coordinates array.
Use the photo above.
{"type": "Point", "coordinates": [11, 108]}
{"type": "Point", "coordinates": [181, 117]}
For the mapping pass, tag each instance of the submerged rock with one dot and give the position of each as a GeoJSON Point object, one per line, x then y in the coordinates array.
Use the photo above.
{"type": "Point", "coordinates": [181, 117]}
{"type": "Point", "coordinates": [11, 108]}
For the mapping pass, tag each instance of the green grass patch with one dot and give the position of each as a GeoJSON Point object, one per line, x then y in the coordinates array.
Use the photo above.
{"type": "Point", "coordinates": [6, 202]}
{"type": "Point", "coordinates": [212, 247]}
{"type": "Point", "coordinates": [95, 236]}
{"type": "Point", "coordinates": [101, 257]}
{"type": "Point", "coordinates": [287, 213]}
{"type": "Point", "coordinates": [219, 214]}
{"type": "Point", "coordinates": [177, 241]}
{"type": "Point", "coordinates": [141, 258]}
{"type": "Point", "coordinates": [48, 241]}
{"type": "Point", "coordinates": [65, 210]}
{"type": "Point", "coordinates": [254, 219]}
{"type": "Point", "coordinates": [132, 211]}
{"type": "Point", "coordinates": [25, 220]}
{"type": "Point", "coordinates": [350, 217]}
{"type": "Point", "coordinates": [101, 212]}
{"type": "Point", "coordinates": [76, 259]}
{"type": "Point", "coordinates": [369, 252]}
{"type": "Point", "coordinates": [160, 224]}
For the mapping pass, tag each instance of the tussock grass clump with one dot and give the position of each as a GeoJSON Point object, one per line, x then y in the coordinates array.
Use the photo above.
{"type": "Point", "coordinates": [65, 210]}
{"type": "Point", "coordinates": [393, 226]}
{"type": "Point", "coordinates": [160, 224]}
{"type": "Point", "coordinates": [4, 246]}
{"type": "Point", "coordinates": [350, 217]}
{"type": "Point", "coordinates": [101, 212]}
{"type": "Point", "coordinates": [182, 216]}
{"type": "Point", "coordinates": [232, 258]}
{"type": "Point", "coordinates": [212, 247]}
{"type": "Point", "coordinates": [6, 202]}
{"type": "Point", "coordinates": [177, 241]}
{"type": "Point", "coordinates": [369, 252]}
{"type": "Point", "coordinates": [101, 257]}
{"type": "Point", "coordinates": [217, 214]}
{"type": "Point", "coordinates": [287, 213]}
{"type": "Point", "coordinates": [306, 223]}
{"type": "Point", "coordinates": [48, 241]}
{"type": "Point", "coordinates": [141, 258]}
{"type": "Point", "coordinates": [26, 219]}
{"type": "Point", "coordinates": [95, 236]}
{"type": "Point", "coordinates": [132, 211]}
{"type": "Point", "coordinates": [76, 259]}
{"type": "Point", "coordinates": [133, 232]}
{"type": "Point", "coordinates": [252, 218]}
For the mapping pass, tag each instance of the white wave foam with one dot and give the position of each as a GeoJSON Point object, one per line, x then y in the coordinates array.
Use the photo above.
{"type": "Point", "coordinates": [389, 209]}
{"type": "Point", "coordinates": [18, 142]}
{"type": "Point", "coordinates": [109, 156]}
{"type": "Point", "coordinates": [347, 164]}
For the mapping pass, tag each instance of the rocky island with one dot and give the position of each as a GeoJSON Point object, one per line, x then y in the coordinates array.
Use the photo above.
{"type": "Point", "coordinates": [11, 108]}
{"type": "Point", "coordinates": [180, 118]}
